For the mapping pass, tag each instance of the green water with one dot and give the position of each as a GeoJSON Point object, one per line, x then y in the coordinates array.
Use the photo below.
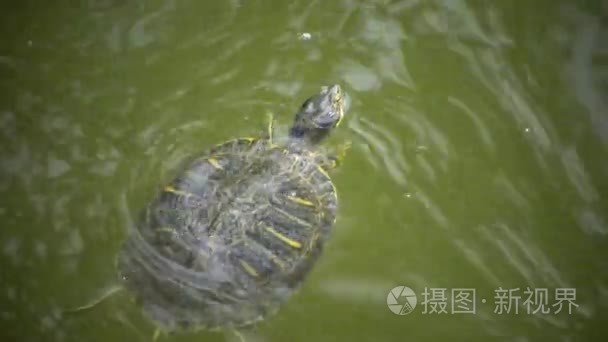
{"type": "Point", "coordinates": [479, 130]}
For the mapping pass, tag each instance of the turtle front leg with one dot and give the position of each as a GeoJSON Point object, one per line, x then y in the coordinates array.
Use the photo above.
{"type": "Point", "coordinates": [336, 157]}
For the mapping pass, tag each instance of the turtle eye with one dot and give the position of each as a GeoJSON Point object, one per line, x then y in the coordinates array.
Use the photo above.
{"type": "Point", "coordinates": [337, 97]}
{"type": "Point", "coordinates": [305, 104]}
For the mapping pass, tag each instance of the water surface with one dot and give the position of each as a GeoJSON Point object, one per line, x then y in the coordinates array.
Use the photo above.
{"type": "Point", "coordinates": [479, 131]}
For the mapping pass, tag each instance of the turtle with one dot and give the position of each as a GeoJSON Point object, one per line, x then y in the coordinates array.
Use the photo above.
{"type": "Point", "coordinates": [237, 231]}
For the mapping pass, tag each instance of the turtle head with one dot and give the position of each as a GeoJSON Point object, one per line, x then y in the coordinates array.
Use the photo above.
{"type": "Point", "coordinates": [319, 114]}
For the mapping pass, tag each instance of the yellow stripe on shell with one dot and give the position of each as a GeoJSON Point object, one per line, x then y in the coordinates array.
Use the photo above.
{"type": "Point", "coordinates": [283, 238]}
{"type": "Point", "coordinates": [249, 269]}
{"type": "Point", "coordinates": [292, 217]}
{"type": "Point", "coordinates": [300, 200]}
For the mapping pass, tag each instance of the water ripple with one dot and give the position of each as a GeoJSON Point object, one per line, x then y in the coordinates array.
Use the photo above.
{"type": "Point", "coordinates": [585, 48]}
{"type": "Point", "coordinates": [575, 171]}
{"type": "Point", "coordinates": [384, 145]}
{"type": "Point", "coordinates": [477, 118]}
{"type": "Point", "coordinates": [524, 255]}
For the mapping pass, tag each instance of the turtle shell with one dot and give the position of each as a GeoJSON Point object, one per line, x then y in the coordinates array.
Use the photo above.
{"type": "Point", "coordinates": [229, 239]}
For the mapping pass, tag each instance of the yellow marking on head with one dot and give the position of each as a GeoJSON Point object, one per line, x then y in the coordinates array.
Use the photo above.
{"type": "Point", "coordinates": [300, 200]}
{"type": "Point", "coordinates": [214, 163]}
{"type": "Point", "coordinates": [338, 101]}
{"type": "Point", "coordinates": [341, 116]}
{"type": "Point", "coordinates": [249, 269]}
{"type": "Point", "coordinates": [288, 241]}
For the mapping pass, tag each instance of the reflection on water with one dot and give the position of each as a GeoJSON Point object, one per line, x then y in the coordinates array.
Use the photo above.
{"type": "Point", "coordinates": [479, 141]}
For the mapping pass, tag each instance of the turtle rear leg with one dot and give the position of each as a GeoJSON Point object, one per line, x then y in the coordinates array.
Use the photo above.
{"type": "Point", "coordinates": [270, 128]}
{"type": "Point", "coordinates": [241, 334]}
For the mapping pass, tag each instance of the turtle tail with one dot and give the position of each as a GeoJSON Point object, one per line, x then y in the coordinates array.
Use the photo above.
{"type": "Point", "coordinates": [103, 296]}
